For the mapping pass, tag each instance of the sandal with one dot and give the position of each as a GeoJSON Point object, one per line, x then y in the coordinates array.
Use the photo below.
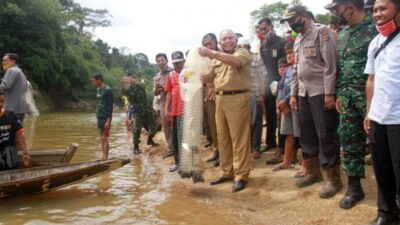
{"type": "Point", "coordinates": [273, 161]}
{"type": "Point", "coordinates": [280, 167]}
{"type": "Point", "coordinates": [300, 174]}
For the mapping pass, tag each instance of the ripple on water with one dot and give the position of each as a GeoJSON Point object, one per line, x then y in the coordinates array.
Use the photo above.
{"type": "Point", "coordinates": [128, 195]}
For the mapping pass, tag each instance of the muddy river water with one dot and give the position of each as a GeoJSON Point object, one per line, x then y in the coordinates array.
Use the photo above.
{"type": "Point", "coordinates": [129, 195]}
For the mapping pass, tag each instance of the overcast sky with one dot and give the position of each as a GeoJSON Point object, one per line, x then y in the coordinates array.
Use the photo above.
{"type": "Point", "coordinates": [152, 26]}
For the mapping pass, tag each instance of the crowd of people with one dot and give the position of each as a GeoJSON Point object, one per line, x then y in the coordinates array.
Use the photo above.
{"type": "Point", "coordinates": [321, 89]}
{"type": "Point", "coordinates": [316, 90]}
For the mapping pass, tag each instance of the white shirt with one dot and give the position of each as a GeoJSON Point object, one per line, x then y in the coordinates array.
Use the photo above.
{"type": "Point", "coordinates": [385, 105]}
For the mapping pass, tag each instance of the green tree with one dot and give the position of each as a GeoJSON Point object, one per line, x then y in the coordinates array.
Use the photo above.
{"type": "Point", "coordinates": [273, 11]}
{"type": "Point", "coordinates": [323, 18]}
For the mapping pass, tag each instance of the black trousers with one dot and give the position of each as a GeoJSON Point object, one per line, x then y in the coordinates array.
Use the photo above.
{"type": "Point", "coordinates": [270, 114]}
{"type": "Point", "coordinates": [256, 130]}
{"type": "Point", "coordinates": [318, 129]}
{"type": "Point", "coordinates": [176, 137]}
{"type": "Point", "coordinates": [385, 146]}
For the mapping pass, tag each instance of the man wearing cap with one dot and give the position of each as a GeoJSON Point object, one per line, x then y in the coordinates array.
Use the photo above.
{"type": "Point", "coordinates": [313, 93]}
{"type": "Point", "coordinates": [158, 90]}
{"type": "Point", "coordinates": [353, 42]}
{"type": "Point", "coordinates": [230, 72]}
{"type": "Point", "coordinates": [271, 49]}
{"type": "Point", "coordinates": [142, 112]}
{"type": "Point", "coordinates": [173, 105]}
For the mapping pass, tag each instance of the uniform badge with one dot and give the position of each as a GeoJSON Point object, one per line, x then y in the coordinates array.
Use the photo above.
{"type": "Point", "coordinates": [274, 53]}
{"type": "Point", "coordinates": [325, 36]}
{"type": "Point", "coordinates": [310, 52]}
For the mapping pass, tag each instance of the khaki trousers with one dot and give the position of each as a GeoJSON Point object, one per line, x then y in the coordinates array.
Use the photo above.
{"type": "Point", "coordinates": [212, 126]}
{"type": "Point", "coordinates": [233, 130]}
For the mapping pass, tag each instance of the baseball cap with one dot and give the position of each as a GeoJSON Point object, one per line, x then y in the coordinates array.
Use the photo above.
{"type": "Point", "coordinates": [177, 56]}
{"type": "Point", "coordinates": [369, 4]}
{"type": "Point", "coordinates": [292, 11]}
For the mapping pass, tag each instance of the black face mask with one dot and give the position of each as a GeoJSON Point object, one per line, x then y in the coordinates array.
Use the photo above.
{"type": "Point", "coordinates": [298, 26]}
{"type": "Point", "coordinates": [342, 20]}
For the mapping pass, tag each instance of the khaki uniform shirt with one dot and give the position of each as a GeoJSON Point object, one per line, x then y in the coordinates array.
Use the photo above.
{"type": "Point", "coordinates": [315, 67]}
{"type": "Point", "coordinates": [161, 79]}
{"type": "Point", "coordinates": [228, 78]}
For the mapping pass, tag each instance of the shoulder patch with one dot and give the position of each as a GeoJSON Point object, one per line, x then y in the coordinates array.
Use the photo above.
{"type": "Point", "coordinates": [325, 35]}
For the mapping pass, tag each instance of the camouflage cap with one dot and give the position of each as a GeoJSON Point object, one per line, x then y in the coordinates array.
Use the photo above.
{"type": "Point", "coordinates": [334, 4]}
{"type": "Point", "coordinates": [292, 11]}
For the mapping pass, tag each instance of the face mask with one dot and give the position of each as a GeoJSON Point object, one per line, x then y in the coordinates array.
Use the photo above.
{"type": "Point", "coordinates": [342, 19]}
{"type": "Point", "coordinates": [291, 61]}
{"type": "Point", "coordinates": [387, 28]}
{"type": "Point", "coordinates": [259, 35]}
{"type": "Point", "coordinates": [298, 26]}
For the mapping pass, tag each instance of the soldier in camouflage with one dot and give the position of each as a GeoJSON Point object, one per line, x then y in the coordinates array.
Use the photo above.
{"type": "Point", "coordinates": [353, 42]}
{"type": "Point", "coordinates": [142, 112]}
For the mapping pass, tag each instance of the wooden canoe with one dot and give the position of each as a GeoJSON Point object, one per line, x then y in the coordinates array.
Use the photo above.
{"type": "Point", "coordinates": [51, 157]}
{"type": "Point", "coordinates": [47, 178]}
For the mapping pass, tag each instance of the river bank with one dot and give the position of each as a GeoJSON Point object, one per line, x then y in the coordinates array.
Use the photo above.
{"type": "Point", "coordinates": [270, 198]}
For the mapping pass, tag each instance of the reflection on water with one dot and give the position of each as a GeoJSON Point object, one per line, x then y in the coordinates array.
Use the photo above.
{"type": "Point", "coordinates": [128, 195]}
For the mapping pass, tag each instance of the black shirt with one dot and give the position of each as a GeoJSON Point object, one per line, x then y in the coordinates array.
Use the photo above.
{"type": "Point", "coordinates": [271, 50]}
{"type": "Point", "coordinates": [9, 127]}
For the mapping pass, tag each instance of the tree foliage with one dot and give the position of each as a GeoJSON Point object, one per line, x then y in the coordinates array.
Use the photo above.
{"type": "Point", "coordinates": [272, 11]}
{"type": "Point", "coordinates": [323, 18]}
{"type": "Point", "coordinates": [58, 55]}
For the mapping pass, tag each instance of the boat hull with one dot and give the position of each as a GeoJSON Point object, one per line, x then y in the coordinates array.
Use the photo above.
{"type": "Point", "coordinates": [48, 178]}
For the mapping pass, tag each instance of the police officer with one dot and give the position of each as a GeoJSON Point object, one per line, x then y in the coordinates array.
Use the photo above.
{"type": "Point", "coordinates": [142, 111]}
{"type": "Point", "coordinates": [353, 43]}
{"type": "Point", "coordinates": [231, 74]}
{"type": "Point", "coordinates": [313, 93]}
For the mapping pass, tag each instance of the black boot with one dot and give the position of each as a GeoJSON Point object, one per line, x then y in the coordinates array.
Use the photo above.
{"type": "Point", "coordinates": [136, 149]}
{"type": "Point", "coordinates": [217, 162]}
{"type": "Point", "coordinates": [354, 193]}
{"type": "Point", "coordinates": [213, 158]}
{"type": "Point", "coordinates": [151, 142]}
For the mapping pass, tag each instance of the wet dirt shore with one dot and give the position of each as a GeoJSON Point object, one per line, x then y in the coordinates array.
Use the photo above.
{"type": "Point", "coordinates": [270, 198]}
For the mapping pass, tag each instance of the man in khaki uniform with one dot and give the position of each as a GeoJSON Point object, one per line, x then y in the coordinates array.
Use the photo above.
{"type": "Point", "coordinates": [313, 86]}
{"type": "Point", "coordinates": [231, 71]}
{"type": "Point", "coordinates": [158, 90]}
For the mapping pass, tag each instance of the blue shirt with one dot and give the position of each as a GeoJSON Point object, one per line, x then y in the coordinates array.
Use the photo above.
{"type": "Point", "coordinates": [385, 104]}
{"type": "Point", "coordinates": [284, 85]}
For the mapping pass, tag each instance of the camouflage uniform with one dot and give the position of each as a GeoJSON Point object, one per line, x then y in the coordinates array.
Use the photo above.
{"type": "Point", "coordinates": [353, 45]}
{"type": "Point", "coordinates": [142, 111]}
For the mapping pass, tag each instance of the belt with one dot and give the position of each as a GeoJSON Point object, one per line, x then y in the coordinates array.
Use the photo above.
{"type": "Point", "coordinates": [233, 92]}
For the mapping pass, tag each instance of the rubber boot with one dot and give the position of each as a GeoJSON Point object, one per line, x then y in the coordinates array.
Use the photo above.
{"type": "Point", "coordinates": [333, 185]}
{"type": "Point", "coordinates": [150, 136]}
{"type": "Point", "coordinates": [313, 173]}
{"type": "Point", "coordinates": [136, 149]}
{"type": "Point", "coordinates": [150, 141]}
{"type": "Point", "coordinates": [354, 193]}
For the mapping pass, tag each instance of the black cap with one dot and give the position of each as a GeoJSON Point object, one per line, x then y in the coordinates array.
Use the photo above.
{"type": "Point", "coordinates": [177, 57]}
{"type": "Point", "coordinates": [292, 11]}
{"type": "Point", "coordinates": [369, 4]}
{"type": "Point", "coordinates": [335, 3]}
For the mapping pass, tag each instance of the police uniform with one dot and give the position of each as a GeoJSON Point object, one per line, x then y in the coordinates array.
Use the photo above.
{"type": "Point", "coordinates": [232, 87]}
{"type": "Point", "coordinates": [352, 56]}
{"type": "Point", "coordinates": [314, 77]}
